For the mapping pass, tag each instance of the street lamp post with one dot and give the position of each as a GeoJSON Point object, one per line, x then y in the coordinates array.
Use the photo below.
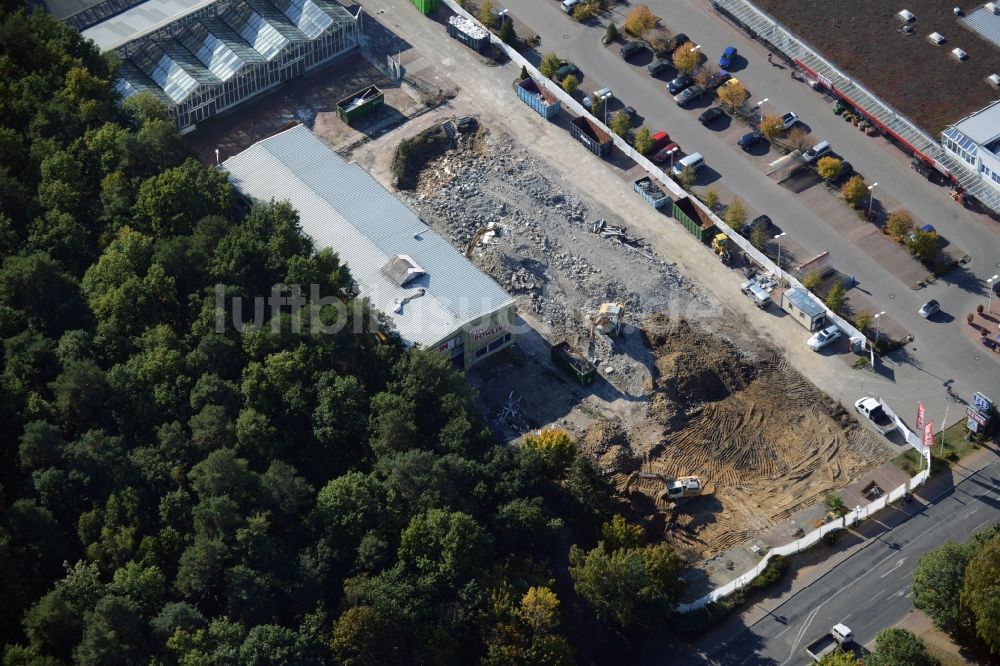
{"type": "Point", "coordinates": [871, 197]}
{"type": "Point", "coordinates": [604, 99]}
{"type": "Point", "coordinates": [877, 331]}
{"type": "Point", "coordinates": [989, 288]}
{"type": "Point", "coordinates": [671, 153]}
{"type": "Point", "coordinates": [778, 238]}
{"type": "Point", "coordinates": [760, 106]}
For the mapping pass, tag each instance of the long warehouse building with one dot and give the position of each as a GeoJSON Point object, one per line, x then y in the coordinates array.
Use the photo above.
{"type": "Point", "coordinates": [203, 57]}
{"type": "Point", "coordinates": [436, 298]}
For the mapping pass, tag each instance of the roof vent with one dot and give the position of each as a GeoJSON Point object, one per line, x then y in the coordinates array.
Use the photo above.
{"type": "Point", "coordinates": [907, 15]}
{"type": "Point", "coordinates": [907, 29]}
{"type": "Point", "coordinates": [937, 38]}
{"type": "Point", "coordinates": [994, 79]}
{"type": "Point", "coordinates": [992, 8]}
{"type": "Point", "coordinates": [960, 54]}
{"type": "Point", "coordinates": [402, 269]}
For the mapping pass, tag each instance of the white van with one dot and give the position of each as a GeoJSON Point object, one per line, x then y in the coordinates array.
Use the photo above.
{"type": "Point", "coordinates": [569, 5]}
{"type": "Point", "coordinates": [757, 294]}
{"type": "Point", "coordinates": [597, 94]}
{"type": "Point", "coordinates": [694, 160]}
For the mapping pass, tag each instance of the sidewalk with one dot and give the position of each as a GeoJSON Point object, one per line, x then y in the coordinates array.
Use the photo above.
{"type": "Point", "coordinates": [810, 567]}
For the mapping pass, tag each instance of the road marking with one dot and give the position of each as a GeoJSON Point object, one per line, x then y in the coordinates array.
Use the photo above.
{"type": "Point", "coordinates": [879, 594]}
{"type": "Point", "coordinates": [898, 564]}
{"type": "Point", "coordinates": [802, 631]}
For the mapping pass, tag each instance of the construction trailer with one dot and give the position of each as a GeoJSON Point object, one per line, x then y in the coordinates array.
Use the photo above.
{"type": "Point", "coordinates": [361, 103]}
{"type": "Point", "coordinates": [591, 135]}
{"type": "Point", "coordinates": [804, 308]}
{"type": "Point", "coordinates": [538, 98]}
{"type": "Point", "coordinates": [573, 362]}
{"type": "Point", "coordinates": [694, 219]}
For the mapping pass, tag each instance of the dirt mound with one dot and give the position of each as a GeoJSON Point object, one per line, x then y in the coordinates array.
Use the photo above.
{"type": "Point", "coordinates": [607, 443]}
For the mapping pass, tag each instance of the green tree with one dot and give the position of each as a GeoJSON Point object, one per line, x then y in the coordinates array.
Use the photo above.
{"type": "Point", "coordinates": [639, 21]}
{"type": "Point", "coordinates": [486, 14]}
{"type": "Point", "coordinates": [611, 34]}
{"type": "Point", "coordinates": [736, 215]}
{"type": "Point", "coordinates": [523, 75]}
{"type": "Point", "coordinates": [627, 587]}
{"type": "Point", "coordinates": [618, 534]}
{"type": "Point", "coordinates": [643, 142]}
{"type": "Point", "coordinates": [362, 637]}
{"type": "Point", "coordinates": [688, 177]}
{"type": "Point", "coordinates": [981, 593]}
{"type": "Point", "coordinates": [899, 647]}
{"type": "Point", "coordinates": [836, 297]}
{"type": "Point", "coordinates": [711, 198]}
{"type": "Point", "coordinates": [812, 280]}
{"type": "Point", "coordinates": [507, 34]}
{"type": "Point", "coordinates": [924, 245]}
{"type": "Point", "coordinates": [570, 84]}
{"type": "Point", "coordinates": [171, 202]}
{"type": "Point", "coordinates": [621, 124]}
{"type": "Point", "coordinates": [444, 550]}
{"type": "Point", "coordinates": [854, 191]}
{"type": "Point", "coordinates": [863, 320]}
{"type": "Point", "coordinates": [937, 585]}
{"type": "Point", "coordinates": [758, 238]}
{"type": "Point", "coordinates": [828, 168]}
{"type": "Point", "coordinates": [585, 11]}
{"type": "Point", "coordinates": [549, 64]}
{"type": "Point", "coordinates": [839, 658]}
{"type": "Point", "coordinates": [732, 95]}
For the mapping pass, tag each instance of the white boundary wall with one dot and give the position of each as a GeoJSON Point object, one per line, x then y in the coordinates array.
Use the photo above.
{"type": "Point", "coordinates": [676, 192]}
{"type": "Point", "coordinates": [668, 183]}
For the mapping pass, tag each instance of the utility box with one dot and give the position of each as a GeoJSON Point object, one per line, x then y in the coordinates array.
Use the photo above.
{"type": "Point", "coordinates": [803, 308]}
{"type": "Point", "coordinates": [360, 104]}
{"type": "Point", "coordinates": [573, 362]}
{"type": "Point", "coordinates": [591, 135]}
{"type": "Point", "coordinates": [538, 98]}
{"type": "Point", "coordinates": [694, 219]}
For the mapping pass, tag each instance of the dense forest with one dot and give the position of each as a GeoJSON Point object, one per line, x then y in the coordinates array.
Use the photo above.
{"type": "Point", "coordinates": [175, 494]}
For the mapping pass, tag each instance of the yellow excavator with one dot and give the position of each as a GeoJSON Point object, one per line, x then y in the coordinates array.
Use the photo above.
{"type": "Point", "coordinates": [720, 245]}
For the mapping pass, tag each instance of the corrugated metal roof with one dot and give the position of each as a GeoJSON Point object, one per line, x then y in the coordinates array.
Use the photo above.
{"type": "Point", "coordinates": [342, 207]}
{"type": "Point", "coordinates": [141, 20]}
{"type": "Point", "coordinates": [983, 126]}
{"type": "Point", "coordinates": [804, 302]}
{"type": "Point", "coordinates": [986, 23]}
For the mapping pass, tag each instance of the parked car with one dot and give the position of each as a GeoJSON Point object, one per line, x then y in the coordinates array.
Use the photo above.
{"type": "Point", "coordinates": [680, 83]}
{"type": "Point", "coordinates": [788, 119]}
{"type": "Point", "coordinates": [672, 44]}
{"type": "Point", "coordinates": [762, 222]}
{"type": "Point", "coordinates": [927, 228]}
{"type": "Point", "coordinates": [819, 150]}
{"type": "Point", "coordinates": [658, 65]}
{"type": "Point", "coordinates": [565, 71]}
{"type": "Point", "coordinates": [710, 115]}
{"type": "Point", "coordinates": [588, 100]}
{"type": "Point", "coordinates": [569, 5]}
{"type": "Point", "coordinates": [628, 111]}
{"type": "Point", "coordinates": [726, 59]}
{"type": "Point", "coordinates": [824, 338]}
{"type": "Point", "coordinates": [750, 139]}
{"type": "Point", "coordinates": [929, 309]}
{"type": "Point", "coordinates": [688, 95]}
{"type": "Point", "coordinates": [717, 80]}
{"type": "Point", "coordinates": [694, 160]}
{"type": "Point", "coordinates": [631, 49]}
{"type": "Point", "coordinates": [663, 154]}
{"type": "Point", "coordinates": [658, 141]}
{"type": "Point", "coordinates": [846, 169]}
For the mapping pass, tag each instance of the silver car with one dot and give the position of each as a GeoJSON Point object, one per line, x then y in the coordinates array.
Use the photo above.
{"type": "Point", "coordinates": [930, 308]}
{"type": "Point", "coordinates": [689, 94]}
{"type": "Point", "coordinates": [824, 337]}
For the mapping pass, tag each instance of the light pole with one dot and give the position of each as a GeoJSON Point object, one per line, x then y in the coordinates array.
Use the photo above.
{"type": "Point", "coordinates": [604, 98]}
{"type": "Point", "coordinates": [760, 105]}
{"type": "Point", "coordinates": [778, 238]}
{"type": "Point", "coordinates": [989, 288]}
{"type": "Point", "coordinates": [877, 331]}
{"type": "Point", "coordinates": [671, 154]}
{"type": "Point", "coordinates": [871, 197]}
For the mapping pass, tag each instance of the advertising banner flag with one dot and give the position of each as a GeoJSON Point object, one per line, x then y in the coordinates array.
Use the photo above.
{"type": "Point", "coordinates": [929, 435]}
{"type": "Point", "coordinates": [920, 416]}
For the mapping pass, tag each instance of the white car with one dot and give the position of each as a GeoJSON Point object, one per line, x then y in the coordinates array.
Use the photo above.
{"type": "Point", "coordinates": [823, 338]}
{"type": "Point", "coordinates": [816, 152]}
{"type": "Point", "coordinates": [788, 119]}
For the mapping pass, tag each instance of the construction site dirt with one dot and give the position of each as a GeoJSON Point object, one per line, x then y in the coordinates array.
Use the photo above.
{"type": "Point", "coordinates": [683, 389]}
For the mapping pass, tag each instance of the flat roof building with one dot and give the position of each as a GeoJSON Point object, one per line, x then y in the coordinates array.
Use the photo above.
{"type": "Point", "coordinates": [434, 295]}
{"type": "Point", "coordinates": [975, 141]}
{"type": "Point", "coordinates": [203, 57]}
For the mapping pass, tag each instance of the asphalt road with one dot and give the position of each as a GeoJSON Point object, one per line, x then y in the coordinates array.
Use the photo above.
{"type": "Point", "coordinates": [940, 352]}
{"type": "Point", "coordinates": [870, 590]}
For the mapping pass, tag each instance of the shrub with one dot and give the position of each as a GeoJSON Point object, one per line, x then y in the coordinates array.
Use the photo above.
{"type": "Point", "coordinates": [736, 215]}
{"type": "Point", "coordinates": [835, 297]}
{"type": "Point", "coordinates": [584, 12]}
{"type": "Point", "coordinates": [771, 127]}
{"type": "Point", "coordinates": [643, 142]}
{"type": "Point", "coordinates": [570, 84]}
{"type": "Point", "coordinates": [776, 567]}
{"type": "Point", "coordinates": [686, 58]}
{"type": "Point", "coordinates": [621, 124]}
{"type": "Point", "coordinates": [758, 238]}
{"type": "Point", "coordinates": [812, 280]}
{"type": "Point", "coordinates": [711, 199]}
{"type": "Point", "coordinates": [485, 15]}
{"type": "Point", "coordinates": [854, 191]}
{"type": "Point", "coordinates": [798, 138]}
{"type": "Point", "coordinates": [688, 177]}
{"type": "Point", "coordinates": [969, 318]}
{"type": "Point", "coordinates": [659, 40]}
{"type": "Point", "coordinates": [899, 225]}
{"type": "Point", "coordinates": [732, 95]}
{"type": "Point", "coordinates": [828, 168]}
{"type": "Point", "coordinates": [640, 21]}
{"type": "Point", "coordinates": [550, 63]}
{"type": "Point", "coordinates": [923, 245]}
{"type": "Point", "coordinates": [863, 320]}
{"type": "Point", "coordinates": [507, 34]}
{"type": "Point", "coordinates": [611, 34]}
{"type": "Point", "coordinates": [979, 308]}
{"type": "Point", "coordinates": [836, 504]}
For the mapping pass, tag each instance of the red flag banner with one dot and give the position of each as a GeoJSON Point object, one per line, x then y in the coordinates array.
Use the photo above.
{"type": "Point", "coordinates": [929, 435]}
{"type": "Point", "coordinates": [920, 416]}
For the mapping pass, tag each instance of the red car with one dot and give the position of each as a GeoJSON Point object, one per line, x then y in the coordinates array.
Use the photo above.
{"type": "Point", "coordinates": [663, 154]}
{"type": "Point", "coordinates": [660, 139]}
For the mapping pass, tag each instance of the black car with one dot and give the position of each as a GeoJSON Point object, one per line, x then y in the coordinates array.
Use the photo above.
{"type": "Point", "coordinates": [628, 111]}
{"type": "Point", "coordinates": [710, 115]}
{"type": "Point", "coordinates": [631, 49]}
{"type": "Point", "coordinates": [658, 66]}
{"type": "Point", "coordinates": [565, 71]}
{"type": "Point", "coordinates": [762, 222]}
{"type": "Point", "coordinates": [750, 139]}
{"type": "Point", "coordinates": [680, 83]}
{"type": "Point", "coordinates": [845, 170]}
{"type": "Point", "coordinates": [677, 40]}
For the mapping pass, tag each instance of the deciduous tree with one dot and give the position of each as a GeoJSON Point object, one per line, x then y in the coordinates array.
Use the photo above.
{"type": "Point", "coordinates": [771, 127]}
{"type": "Point", "coordinates": [643, 141]}
{"type": "Point", "coordinates": [686, 58]}
{"type": "Point", "coordinates": [836, 297]}
{"type": "Point", "coordinates": [640, 21]}
{"type": "Point", "coordinates": [854, 191]}
{"type": "Point", "coordinates": [732, 95]}
{"type": "Point", "coordinates": [828, 168]}
{"type": "Point", "coordinates": [981, 593]}
{"type": "Point", "coordinates": [899, 647]}
{"type": "Point", "coordinates": [549, 64]}
{"type": "Point", "coordinates": [736, 214]}
{"type": "Point", "coordinates": [621, 124]}
{"type": "Point", "coordinates": [899, 224]}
